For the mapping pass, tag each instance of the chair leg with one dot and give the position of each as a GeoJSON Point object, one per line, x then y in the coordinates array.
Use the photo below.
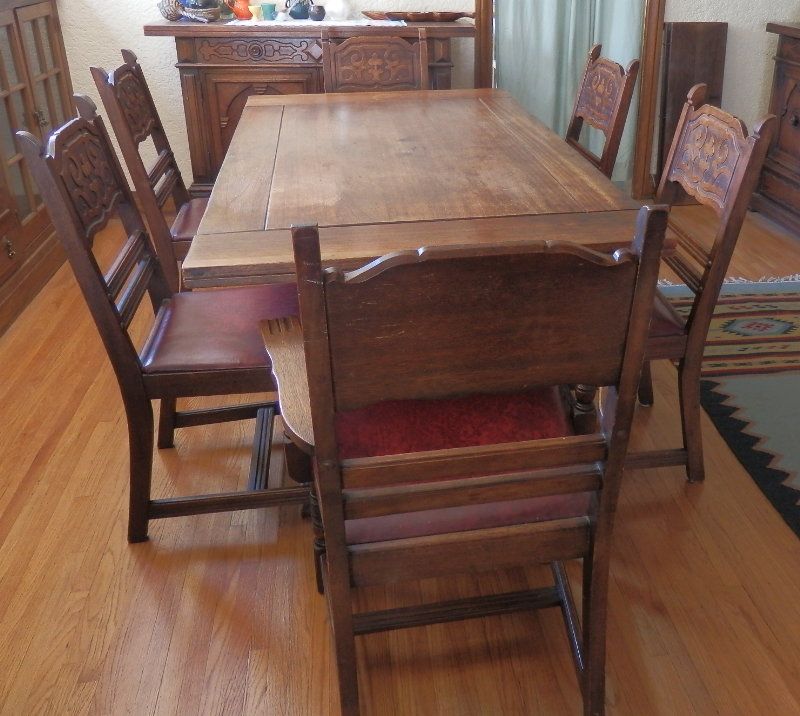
{"type": "Point", "coordinates": [689, 393]}
{"type": "Point", "coordinates": [344, 641]}
{"type": "Point", "coordinates": [646, 385]}
{"type": "Point", "coordinates": [166, 423]}
{"type": "Point", "coordinates": [140, 439]}
{"type": "Point", "coordinates": [595, 596]}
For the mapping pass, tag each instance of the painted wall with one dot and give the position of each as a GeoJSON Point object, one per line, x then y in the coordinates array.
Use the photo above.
{"type": "Point", "coordinates": [95, 38]}
{"type": "Point", "coordinates": [748, 64]}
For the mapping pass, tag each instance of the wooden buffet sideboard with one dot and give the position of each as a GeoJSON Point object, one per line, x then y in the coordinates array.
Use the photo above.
{"type": "Point", "coordinates": [221, 65]}
{"type": "Point", "coordinates": [778, 192]}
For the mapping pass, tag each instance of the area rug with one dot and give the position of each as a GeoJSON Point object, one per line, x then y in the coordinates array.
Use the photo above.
{"type": "Point", "coordinates": [750, 384]}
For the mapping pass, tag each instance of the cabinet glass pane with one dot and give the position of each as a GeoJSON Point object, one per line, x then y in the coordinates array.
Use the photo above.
{"type": "Point", "coordinates": [29, 44]}
{"type": "Point", "coordinates": [7, 58]}
{"type": "Point", "coordinates": [44, 32]}
{"type": "Point", "coordinates": [60, 117]}
{"type": "Point", "coordinates": [17, 116]}
{"type": "Point", "coordinates": [6, 133]}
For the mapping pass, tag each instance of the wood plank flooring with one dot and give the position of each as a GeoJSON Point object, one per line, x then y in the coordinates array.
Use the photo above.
{"type": "Point", "coordinates": [219, 615]}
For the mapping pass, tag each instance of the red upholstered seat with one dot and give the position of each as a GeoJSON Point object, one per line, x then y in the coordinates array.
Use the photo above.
{"type": "Point", "coordinates": [665, 322]}
{"type": "Point", "coordinates": [188, 219]}
{"type": "Point", "coordinates": [403, 426]}
{"type": "Point", "coordinates": [399, 426]}
{"type": "Point", "coordinates": [215, 330]}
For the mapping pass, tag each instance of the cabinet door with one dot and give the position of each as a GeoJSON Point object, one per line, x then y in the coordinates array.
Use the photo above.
{"type": "Point", "coordinates": [15, 113]}
{"type": "Point", "coordinates": [47, 66]}
{"type": "Point", "coordinates": [227, 92]}
{"type": "Point", "coordinates": [10, 244]}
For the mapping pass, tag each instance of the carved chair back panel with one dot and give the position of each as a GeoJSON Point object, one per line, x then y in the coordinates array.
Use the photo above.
{"type": "Point", "coordinates": [712, 144]}
{"type": "Point", "coordinates": [600, 94]}
{"type": "Point", "coordinates": [135, 103]}
{"type": "Point", "coordinates": [93, 186]}
{"type": "Point", "coordinates": [360, 64]}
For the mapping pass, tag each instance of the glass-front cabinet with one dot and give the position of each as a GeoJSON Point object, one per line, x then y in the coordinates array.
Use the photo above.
{"type": "Point", "coordinates": [35, 94]}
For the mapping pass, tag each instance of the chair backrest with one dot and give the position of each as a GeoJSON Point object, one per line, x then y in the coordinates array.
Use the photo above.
{"type": "Point", "coordinates": [603, 101]}
{"type": "Point", "coordinates": [83, 188]}
{"type": "Point", "coordinates": [372, 63]}
{"type": "Point", "coordinates": [713, 160]}
{"type": "Point", "coordinates": [134, 119]}
{"type": "Point", "coordinates": [456, 321]}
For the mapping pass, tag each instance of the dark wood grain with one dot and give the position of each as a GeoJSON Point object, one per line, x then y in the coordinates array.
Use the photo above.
{"type": "Point", "coordinates": [693, 52]}
{"type": "Point", "coordinates": [778, 193]}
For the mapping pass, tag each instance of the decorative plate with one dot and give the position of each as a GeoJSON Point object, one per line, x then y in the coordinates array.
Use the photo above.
{"type": "Point", "coordinates": [416, 16]}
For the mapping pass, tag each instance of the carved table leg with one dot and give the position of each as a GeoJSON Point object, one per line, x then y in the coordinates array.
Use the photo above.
{"type": "Point", "coordinates": [584, 412]}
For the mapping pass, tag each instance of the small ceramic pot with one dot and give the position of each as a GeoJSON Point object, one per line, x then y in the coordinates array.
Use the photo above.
{"type": "Point", "coordinates": [299, 9]}
{"type": "Point", "coordinates": [240, 9]}
{"type": "Point", "coordinates": [316, 12]}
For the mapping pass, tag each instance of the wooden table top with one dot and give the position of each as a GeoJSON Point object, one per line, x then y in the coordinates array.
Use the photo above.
{"type": "Point", "coordinates": [386, 171]}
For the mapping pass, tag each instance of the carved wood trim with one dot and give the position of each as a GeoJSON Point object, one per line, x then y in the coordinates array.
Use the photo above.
{"type": "Point", "coordinates": [134, 103]}
{"type": "Point", "coordinates": [706, 156]}
{"type": "Point", "coordinates": [375, 63]}
{"type": "Point", "coordinates": [91, 183]}
{"type": "Point", "coordinates": [289, 52]}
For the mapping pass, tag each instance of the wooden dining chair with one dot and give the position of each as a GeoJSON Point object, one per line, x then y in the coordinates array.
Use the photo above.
{"type": "Point", "coordinates": [442, 440]}
{"type": "Point", "coordinates": [134, 119]}
{"type": "Point", "coordinates": [603, 101]}
{"type": "Point", "coordinates": [371, 63]}
{"type": "Point", "coordinates": [200, 343]}
{"type": "Point", "coordinates": [714, 161]}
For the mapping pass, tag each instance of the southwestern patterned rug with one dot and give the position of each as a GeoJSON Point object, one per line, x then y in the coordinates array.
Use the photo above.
{"type": "Point", "coordinates": [751, 383]}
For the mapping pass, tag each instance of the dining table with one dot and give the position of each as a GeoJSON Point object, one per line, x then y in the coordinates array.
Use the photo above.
{"type": "Point", "coordinates": [387, 171]}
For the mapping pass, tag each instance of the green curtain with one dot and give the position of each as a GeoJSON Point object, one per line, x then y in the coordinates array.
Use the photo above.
{"type": "Point", "coordinates": [540, 53]}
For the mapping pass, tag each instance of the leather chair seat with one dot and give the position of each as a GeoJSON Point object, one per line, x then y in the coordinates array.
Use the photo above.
{"type": "Point", "coordinates": [188, 219]}
{"type": "Point", "coordinates": [666, 323]}
{"type": "Point", "coordinates": [395, 427]}
{"type": "Point", "coordinates": [215, 330]}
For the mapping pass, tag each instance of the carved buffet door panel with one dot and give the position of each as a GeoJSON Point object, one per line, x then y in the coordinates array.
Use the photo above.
{"type": "Point", "coordinates": [228, 91]}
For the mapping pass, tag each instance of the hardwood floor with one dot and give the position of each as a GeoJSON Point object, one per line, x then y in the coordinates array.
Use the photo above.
{"type": "Point", "coordinates": [219, 614]}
